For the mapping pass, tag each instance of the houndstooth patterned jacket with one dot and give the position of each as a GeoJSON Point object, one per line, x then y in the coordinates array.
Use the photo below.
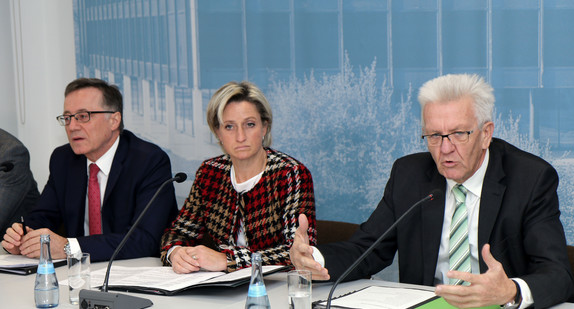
{"type": "Point", "coordinates": [270, 211]}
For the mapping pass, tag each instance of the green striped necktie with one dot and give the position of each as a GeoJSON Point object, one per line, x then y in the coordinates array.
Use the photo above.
{"type": "Point", "coordinates": [459, 250]}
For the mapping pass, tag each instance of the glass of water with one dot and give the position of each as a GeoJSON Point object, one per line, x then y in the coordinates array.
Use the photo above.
{"type": "Point", "coordinates": [299, 285]}
{"type": "Point", "coordinates": [78, 275]}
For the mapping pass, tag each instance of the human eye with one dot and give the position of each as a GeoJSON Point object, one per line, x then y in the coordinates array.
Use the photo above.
{"type": "Point", "coordinates": [251, 124]}
{"type": "Point", "coordinates": [435, 137]}
{"type": "Point", "coordinates": [459, 134]}
{"type": "Point", "coordinates": [228, 127]}
{"type": "Point", "coordinates": [83, 116]}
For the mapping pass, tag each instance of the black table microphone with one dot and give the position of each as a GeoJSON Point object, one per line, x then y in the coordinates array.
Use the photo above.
{"type": "Point", "coordinates": [433, 193]}
{"type": "Point", "coordinates": [90, 299]}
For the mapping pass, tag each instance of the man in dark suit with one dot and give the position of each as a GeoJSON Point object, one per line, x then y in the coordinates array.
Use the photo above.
{"type": "Point", "coordinates": [18, 189]}
{"type": "Point", "coordinates": [99, 184]}
{"type": "Point", "coordinates": [514, 248]}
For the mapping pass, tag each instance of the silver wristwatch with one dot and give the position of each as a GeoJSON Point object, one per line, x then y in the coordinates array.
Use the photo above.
{"type": "Point", "coordinates": [67, 249]}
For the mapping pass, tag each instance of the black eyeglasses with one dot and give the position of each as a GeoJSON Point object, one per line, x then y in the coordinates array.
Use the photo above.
{"type": "Point", "coordinates": [456, 138]}
{"type": "Point", "coordinates": [81, 117]}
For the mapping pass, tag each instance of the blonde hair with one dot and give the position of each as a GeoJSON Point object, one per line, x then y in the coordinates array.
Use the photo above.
{"type": "Point", "coordinates": [239, 92]}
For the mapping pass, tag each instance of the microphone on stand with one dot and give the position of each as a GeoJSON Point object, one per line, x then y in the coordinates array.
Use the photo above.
{"type": "Point", "coordinates": [431, 196]}
{"type": "Point", "coordinates": [90, 299]}
{"type": "Point", "coordinates": [6, 166]}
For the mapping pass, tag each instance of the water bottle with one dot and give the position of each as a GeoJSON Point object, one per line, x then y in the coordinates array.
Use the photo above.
{"type": "Point", "coordinates": [46, 291]}
{"type": "Point", "coordinates": [257, 295]}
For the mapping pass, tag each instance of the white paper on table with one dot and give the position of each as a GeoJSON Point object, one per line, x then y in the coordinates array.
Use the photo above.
{"type": "Point", "coordinates": [164, 278]}
{"type": "Point", "coordinates": [17, 261]}
{"type": "Point", "coordinates": [379, 297]}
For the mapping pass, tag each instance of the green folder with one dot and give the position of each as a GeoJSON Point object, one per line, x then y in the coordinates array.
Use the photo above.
{"type": "Point", "coordinates": [440, 303]}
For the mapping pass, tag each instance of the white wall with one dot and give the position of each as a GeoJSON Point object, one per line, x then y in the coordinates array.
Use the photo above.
{"type": "Point", "coordinates": [8, 119]}
{"type": "Point", "coordinates": [37, 61]}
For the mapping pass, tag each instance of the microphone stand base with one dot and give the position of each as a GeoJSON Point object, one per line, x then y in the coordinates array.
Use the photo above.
{"type": "Point", "coordinates": [90, 299]}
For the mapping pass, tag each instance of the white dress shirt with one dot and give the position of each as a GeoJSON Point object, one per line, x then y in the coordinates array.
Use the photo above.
{"type": "Point", "coordinates": [104, 163]}
{"type": "Point", "coordinates": [474, 187]}
{"type": "Point", "coordinates": [240, 188]}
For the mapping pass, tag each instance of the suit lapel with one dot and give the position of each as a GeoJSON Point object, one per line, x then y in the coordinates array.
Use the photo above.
{"type": "Point", "coordinates": [115, 172]}
{"type": "Point", "coordinates": [75, 205]}
{"type": "Point", "coordinates": [432, 220]}
{"type": "Point", "coordinates": [116, 169]}
{"type": "Point", "coordinates": [491, 201]}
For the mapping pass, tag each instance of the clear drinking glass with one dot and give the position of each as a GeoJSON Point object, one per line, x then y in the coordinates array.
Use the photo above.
{"type": "Point", "coordinates": [299, 284]}
{"type": "Point", "coordinates": [78, 275]}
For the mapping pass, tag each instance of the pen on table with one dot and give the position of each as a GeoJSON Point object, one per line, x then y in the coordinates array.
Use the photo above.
{"type": "Point", "coordinates": [23, 225]}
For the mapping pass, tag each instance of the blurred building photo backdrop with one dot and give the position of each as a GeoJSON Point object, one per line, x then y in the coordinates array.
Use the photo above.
{"type": "Point", "coordinates": [341, 76]}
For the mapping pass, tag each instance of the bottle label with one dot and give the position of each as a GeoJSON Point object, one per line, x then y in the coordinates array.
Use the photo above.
{"type": "Point", "coordinates": [44, 269]}
{"type": "Point", "coordinates": [256, 290]}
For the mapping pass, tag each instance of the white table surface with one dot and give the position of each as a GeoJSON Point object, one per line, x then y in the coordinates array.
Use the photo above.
{"type": "Point", "coordinates": [17, 291]}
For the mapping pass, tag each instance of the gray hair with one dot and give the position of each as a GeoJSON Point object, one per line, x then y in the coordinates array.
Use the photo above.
{"type": "Point", "coordinates": [455, 86]}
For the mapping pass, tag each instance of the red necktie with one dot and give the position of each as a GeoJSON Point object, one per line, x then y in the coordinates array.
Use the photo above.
{"type": "Point", "coordinates": [94, 204]}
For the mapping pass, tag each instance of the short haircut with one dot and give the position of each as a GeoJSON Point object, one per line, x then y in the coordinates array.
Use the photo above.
{"type": "Point", "coordinates": [456, 86]}
{"type": "Point", "coordinates": [239, 92]}
{"type": "Point", "coordinates": [111, 94]}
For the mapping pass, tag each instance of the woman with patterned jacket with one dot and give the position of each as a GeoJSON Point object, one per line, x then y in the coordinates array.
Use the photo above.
{"type": "Point", "coordinates": [244, 201]}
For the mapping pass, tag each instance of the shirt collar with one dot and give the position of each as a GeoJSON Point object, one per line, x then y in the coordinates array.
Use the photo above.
{"type": "Point", "coordinates": [474, 183]}
{"type": "Point", "coordinates": [104, 163]}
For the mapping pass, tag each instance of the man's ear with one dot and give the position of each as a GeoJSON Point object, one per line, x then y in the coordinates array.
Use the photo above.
{"type": "Point", "coordinates": [116, 120]}
{"type": "Point", "coordinates": [487, 130]}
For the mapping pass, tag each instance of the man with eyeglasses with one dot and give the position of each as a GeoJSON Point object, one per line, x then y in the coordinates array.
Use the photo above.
{"type": "Point", "coordinates": [99, 183]}
{"type": "Point", "coordinates": [494, 238]}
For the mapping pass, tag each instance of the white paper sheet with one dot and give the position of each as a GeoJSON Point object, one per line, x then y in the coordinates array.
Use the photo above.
{"type": "Point", "coordinates": [164, 278]}
{"type": "Point", "coordinates": [17, 261]}
{"type": "Point", "coordinates": [378, 297]}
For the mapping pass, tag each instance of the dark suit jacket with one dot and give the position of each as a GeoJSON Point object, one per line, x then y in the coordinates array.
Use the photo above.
{"type": "Point", "coordinates": [519, 218]}
{"type": "Point", "coordinates": [18, 189]}
{"type": "Point", "coordinates": [138, 169]}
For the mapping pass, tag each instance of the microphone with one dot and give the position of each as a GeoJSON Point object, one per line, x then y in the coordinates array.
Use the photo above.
{"type": "Point", "coordinates": [6, 166]}
{"type": "Point", "coordinates": [102, 299]}
{"type": "Point", "coordinates": [431, 196]}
